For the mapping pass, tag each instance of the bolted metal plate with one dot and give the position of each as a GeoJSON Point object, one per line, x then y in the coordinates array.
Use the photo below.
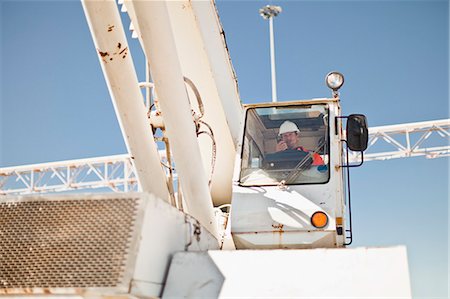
{"type": "Point", "coordinates": [65, 242]}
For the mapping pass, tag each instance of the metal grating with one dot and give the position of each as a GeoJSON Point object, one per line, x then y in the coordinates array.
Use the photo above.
{"type": "Point", "coordinates": [65, 243]}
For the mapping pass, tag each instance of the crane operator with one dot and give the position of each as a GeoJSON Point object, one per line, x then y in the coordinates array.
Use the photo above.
{"type": "Point", "coordinates": [289, 135]}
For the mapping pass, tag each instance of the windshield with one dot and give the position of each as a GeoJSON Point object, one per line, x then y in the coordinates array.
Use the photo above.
{"type": "Point", "coordinates": [287, 145]}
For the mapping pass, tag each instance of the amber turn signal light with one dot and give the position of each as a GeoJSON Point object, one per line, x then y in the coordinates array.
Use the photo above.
{"type": "Point", "coordinates": [319, 219]}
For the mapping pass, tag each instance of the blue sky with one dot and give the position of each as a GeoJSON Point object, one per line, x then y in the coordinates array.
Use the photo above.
{"type": "Point", "coordinates": [394, 55]}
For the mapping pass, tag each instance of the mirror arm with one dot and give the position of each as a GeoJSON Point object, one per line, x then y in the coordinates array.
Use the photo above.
{"type": "Point", "coordinates": [347, 162]}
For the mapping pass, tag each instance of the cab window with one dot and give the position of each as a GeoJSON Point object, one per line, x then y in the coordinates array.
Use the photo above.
{"type": "Point", "coordinates": [288, 145]}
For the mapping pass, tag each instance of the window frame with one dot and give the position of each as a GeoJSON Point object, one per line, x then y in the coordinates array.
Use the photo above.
{"type": "Point", "coordinates": [327, 109]}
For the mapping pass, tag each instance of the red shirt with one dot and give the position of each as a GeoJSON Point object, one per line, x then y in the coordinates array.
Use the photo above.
{"type": "Point", "coordinates": [317, 159]}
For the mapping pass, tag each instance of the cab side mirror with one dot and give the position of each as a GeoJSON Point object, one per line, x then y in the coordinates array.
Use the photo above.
{"type": "Point", "coordinates": [357, 132]}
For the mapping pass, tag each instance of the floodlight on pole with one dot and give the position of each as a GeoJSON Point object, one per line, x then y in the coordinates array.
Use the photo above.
{"type": "Point", "coordinates": [268, 12]}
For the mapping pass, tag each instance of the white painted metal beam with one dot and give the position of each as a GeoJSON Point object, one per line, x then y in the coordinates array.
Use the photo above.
{"type": "Point", "coordinates": [222, 70]}
{"type": "Point", "coordinates": [197, 65]}
{"type": "Point", "coordinates": [160, 49]}
{"type": "Point", "coordinates": [115, 59]}
{"type": "Point", "coordinates": [204, 59]}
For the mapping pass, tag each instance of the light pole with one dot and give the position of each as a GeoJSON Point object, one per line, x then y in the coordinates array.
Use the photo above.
{"type": "Point", "coordinates": [268, 12]}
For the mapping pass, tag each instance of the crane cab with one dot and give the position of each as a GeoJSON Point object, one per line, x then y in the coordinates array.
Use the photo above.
{"type": "Point", "coordinates": [288, 186]}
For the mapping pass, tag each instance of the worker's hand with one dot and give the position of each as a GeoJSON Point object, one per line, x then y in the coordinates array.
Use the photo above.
{"type": "Point", "coordinates": [281, 146]}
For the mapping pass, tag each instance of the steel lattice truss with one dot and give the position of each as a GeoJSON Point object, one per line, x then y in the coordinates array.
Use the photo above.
{"type": "Point", "coordinates": [113, 172]}
{"type": "Point", "coordinates": [429, 139]}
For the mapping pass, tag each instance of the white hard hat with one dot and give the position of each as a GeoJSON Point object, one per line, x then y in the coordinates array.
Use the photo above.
{"type": "Point", "coordinates": [288, 126]}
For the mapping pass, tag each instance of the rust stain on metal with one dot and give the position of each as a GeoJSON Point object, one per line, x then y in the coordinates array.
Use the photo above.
{"type": "Point", "coordinates": [103, 55]}
{"type": "Point", "coordinates": [123, 50]}
{"type": "Point", "coordinates": [110, 28]}
{"type": "Point", "coordinates": [278, 226]}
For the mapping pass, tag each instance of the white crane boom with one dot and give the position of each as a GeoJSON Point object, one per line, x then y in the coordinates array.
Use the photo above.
{"type": "Point", "coordinates": [117, 65]}
{"type": "Point", "coordinates": [201, 54]}
{"type": "Point", "coordinates": [160, 49]}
